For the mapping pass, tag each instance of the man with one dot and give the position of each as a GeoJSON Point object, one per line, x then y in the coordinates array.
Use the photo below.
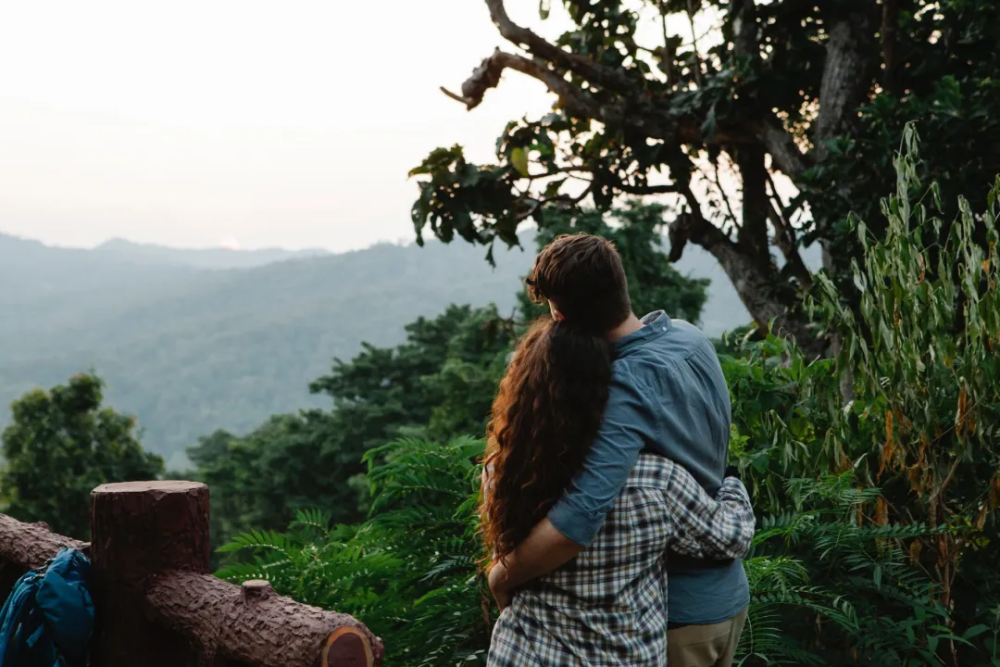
{"type": "Point", "coordinates": [668, 396]}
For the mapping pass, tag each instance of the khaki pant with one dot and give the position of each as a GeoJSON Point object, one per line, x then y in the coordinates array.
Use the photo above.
{"type": "Point", "coordinates": [705, 645]}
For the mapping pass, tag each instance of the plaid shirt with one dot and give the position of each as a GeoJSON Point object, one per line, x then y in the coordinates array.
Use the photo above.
{"type": "Point", "coordinates": [608, 606]}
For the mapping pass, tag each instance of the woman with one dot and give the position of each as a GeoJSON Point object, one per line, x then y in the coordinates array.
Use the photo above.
{"type": "Point", "coordinates": [608, 606]}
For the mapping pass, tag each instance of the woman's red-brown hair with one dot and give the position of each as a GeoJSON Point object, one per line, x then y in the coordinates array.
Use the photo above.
{"type": "Point", "coordinates": [545, 416]}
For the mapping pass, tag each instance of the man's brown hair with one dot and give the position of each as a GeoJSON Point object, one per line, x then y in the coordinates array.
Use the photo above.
{"type": "Point", "coordinates": [582, 275]}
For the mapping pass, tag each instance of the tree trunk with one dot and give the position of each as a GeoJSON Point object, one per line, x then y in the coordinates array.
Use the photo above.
{"type": "Point", "coordinates": [752, 284]}
{"type": "Point", "coordinates": [753, 236]}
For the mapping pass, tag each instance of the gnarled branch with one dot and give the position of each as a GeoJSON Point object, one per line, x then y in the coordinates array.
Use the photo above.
{"type": "Point", "coordinates": [577, 102]}
{"type": "Point", "coordinates": [785, 154]}
{"type": "Point", "coordinates": [644, 117]}
{"type": "Point", "coordinates": [607, 77]}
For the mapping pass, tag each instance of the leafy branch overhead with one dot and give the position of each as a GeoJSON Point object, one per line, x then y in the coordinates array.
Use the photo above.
{"type": "Point", "coordinates": [642, 107]}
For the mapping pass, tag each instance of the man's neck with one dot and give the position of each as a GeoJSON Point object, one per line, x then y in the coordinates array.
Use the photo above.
{"type": "Point", "coordinates": [631, 325]}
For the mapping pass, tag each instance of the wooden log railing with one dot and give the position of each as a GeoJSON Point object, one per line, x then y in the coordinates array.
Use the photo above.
{"type": "Point", "coordinates": [158, 605]}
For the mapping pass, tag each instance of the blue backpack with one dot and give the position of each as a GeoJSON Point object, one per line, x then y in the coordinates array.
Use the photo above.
{"type": "Point", "coordinates": [48, 619]}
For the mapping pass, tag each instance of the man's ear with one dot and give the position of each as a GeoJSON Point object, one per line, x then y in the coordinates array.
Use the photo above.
{"type": "Point", "coordinates": [559, 317]}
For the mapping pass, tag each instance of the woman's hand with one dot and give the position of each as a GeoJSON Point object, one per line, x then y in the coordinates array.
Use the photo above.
{"type": "Point", "coordinates": [498, 585]}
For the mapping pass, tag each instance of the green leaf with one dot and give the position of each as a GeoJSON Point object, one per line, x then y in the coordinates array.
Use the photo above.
{"type": "Point", "coordinates": [519, 160]}
{"type": "Point", "coordinates": [975, 631]}
{"type": "Point", "coordinates": [552, 188]}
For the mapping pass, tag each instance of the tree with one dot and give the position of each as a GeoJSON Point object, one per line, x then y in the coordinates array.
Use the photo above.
{"type": "Point", "coordinates": [60, 445]}
{"type": "Point", "coordinates": [287, 463]}
{"type": "Point", "coordinates": [384, 393]}
{"type": "Point", "coordinates": [816, 91]}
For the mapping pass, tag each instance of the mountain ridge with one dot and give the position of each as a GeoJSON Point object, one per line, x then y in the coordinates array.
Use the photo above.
{"type": "Point", "coordinates": [192, 347]}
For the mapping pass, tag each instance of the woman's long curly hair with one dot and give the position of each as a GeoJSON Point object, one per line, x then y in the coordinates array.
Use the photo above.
{"type": "Point", "coordinates": [545, 416]}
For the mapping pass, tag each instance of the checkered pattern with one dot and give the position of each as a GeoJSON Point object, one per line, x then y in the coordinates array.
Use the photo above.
{"type": "Point", "coordinates": [608, 605]}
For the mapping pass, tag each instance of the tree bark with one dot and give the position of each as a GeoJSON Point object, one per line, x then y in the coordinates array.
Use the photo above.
{"type": "Point", "coordinates": [251, 624]}
{"type": "Point", "coordinates": [846, 74]}
{"type": "Point", "coordinates": [31, 545]}
{"type": "Point", "coordinates": [140, 529]}
{"type": "Point", "coordinates": [753, 236]}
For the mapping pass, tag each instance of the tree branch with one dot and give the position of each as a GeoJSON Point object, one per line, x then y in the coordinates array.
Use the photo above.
{"type": "Point", "coordinates": [607, 77]}
{"type": "Point", "coordinates": [646, 118]}
{"type": "Point", "coordinates": [647, 189]}
{"type": "Point", "coordinates": [751, 283]}
{"type": "Point", "coordinates": [744, 14]}
{"type": "Point", "coordinates": [577, 102]}
{"type": "Point", "coordinates": [755, 205]}
{"type": "Point", "coordinates": [722, 193]}
{"type": "Point", "coordinates": [694, 43]}
{"type": "Point", "coordinates": [785, 155]}
{"type": "Point", "coordinates": [784, 238]}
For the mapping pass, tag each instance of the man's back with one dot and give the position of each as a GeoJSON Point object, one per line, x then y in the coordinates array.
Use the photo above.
{"type": "Point", "coordinates": [670, 397]}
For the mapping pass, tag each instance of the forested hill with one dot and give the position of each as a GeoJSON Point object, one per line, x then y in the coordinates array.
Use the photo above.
{"type": "Point", "coordinates": [190, 345]}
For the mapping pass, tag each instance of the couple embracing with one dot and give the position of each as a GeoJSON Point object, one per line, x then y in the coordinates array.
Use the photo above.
{"type": "Point", "coordinates": [615, 526]}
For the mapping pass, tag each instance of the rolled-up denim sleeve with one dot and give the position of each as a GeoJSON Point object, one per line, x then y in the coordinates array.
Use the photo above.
{"type": "Point", "coordinates": [581, 510]}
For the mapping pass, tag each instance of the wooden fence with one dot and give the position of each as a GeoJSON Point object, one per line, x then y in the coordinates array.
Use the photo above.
{"type": "Point", "coordinates": [158, 605]}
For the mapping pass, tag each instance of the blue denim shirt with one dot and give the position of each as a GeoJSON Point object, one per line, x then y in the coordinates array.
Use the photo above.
{"type": "Point", "coordinates": [669, 396]}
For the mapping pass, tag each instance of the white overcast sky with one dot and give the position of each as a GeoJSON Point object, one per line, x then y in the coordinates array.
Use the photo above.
{"type": "Point", "coordinates": [288, 124]}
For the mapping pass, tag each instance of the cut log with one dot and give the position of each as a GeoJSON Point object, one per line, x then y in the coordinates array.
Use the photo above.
{"type": "Point", "coordinates": [30, 545]}
{"type": "Point", "coordinates": [140, 529]}
{"type": "Point", "coordinates": [254, 626]}
{"type": "Point", "coordinates": [26, 546]}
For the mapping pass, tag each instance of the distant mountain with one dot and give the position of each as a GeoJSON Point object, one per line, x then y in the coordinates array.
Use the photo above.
{"type": "Point", "coordinates": [191, 341]}
{"type": "Point", "coordinates": [206, 258]}
{"type": "Point", "coordinates": [190, 350]}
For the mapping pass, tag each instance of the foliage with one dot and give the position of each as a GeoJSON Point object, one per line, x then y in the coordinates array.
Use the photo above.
{"type": "Point", "coordinates": [830, 587]}
{"type": "Point", "coordinates": [260, 479]}
{"type": "Point", "coordinates": [922, 349]}
{"type": "Point", "coordinates": [440, 382]}
{"type": "Point", "coordinates": [645, 105]}
{"type": "Point", "coordinates": [876, 516]}
{"type": "Point", "coordinates": [410, 572]}
{"type": "Point", "coordinates": [59, 446]}
{"type": "Point", "coordinates": [919, 357]}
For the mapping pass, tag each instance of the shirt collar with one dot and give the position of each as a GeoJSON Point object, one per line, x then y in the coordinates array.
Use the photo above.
{"type": "Point", "coordinates": [654, 325]}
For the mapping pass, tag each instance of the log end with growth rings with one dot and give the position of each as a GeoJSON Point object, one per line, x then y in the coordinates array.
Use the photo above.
{"type": "Point", "coordinates": [347, 647]}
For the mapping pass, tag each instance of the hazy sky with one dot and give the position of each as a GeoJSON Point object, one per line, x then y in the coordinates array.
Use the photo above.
{"type": "Point", "coordinates": [287, 124]}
